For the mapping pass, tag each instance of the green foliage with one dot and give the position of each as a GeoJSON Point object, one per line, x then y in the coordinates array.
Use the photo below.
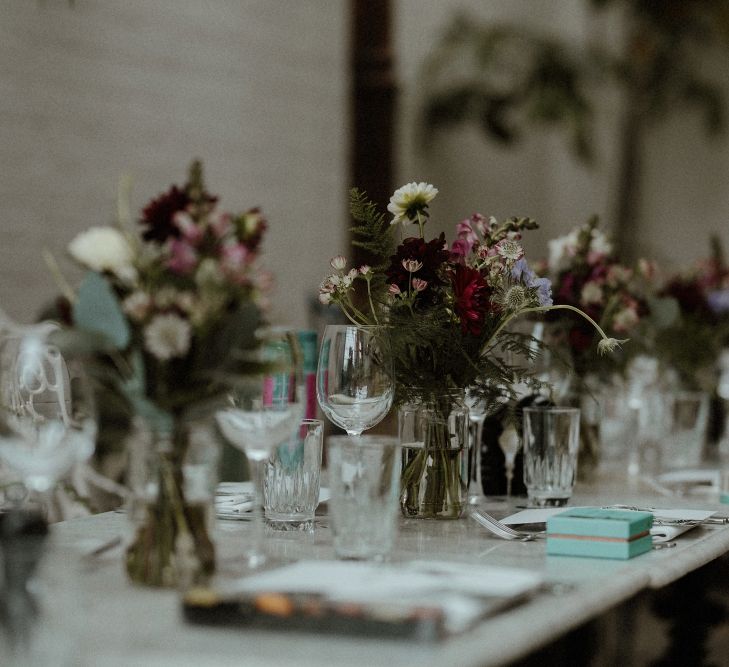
{"type": "Point", "coordinates": [509, 77]}
{"type": "Point", "coordinates": [372, 232]}
{"type": "Point", "coordinates": [97, 311]}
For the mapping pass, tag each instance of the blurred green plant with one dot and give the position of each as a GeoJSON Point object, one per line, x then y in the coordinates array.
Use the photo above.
{"type": "Point", "coordinates": [506, 78]}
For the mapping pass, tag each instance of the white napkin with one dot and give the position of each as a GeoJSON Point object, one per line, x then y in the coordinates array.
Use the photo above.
{"type": "Point", "coordinates": [659, 533]}
{"type": "Point", "coordinates": [463, 594]}
{"type": "Point", "coordinates": [235, 499]}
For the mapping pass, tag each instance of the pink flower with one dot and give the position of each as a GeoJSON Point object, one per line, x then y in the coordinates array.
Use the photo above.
{"type": "Point", "coordinates": [394, 290]}
{"type": "Point", "coordinates": [419, 285]}
{"type": "Point", "coordinates": [220, 223]}
{"type": "Point", "coordinates": [365, 270]}
{"type": "Point", "coordinates": [183, 257]}
{"type": "Point", "coordinates": [234, 260]}
{"type": "Point", "coordinates": [459, 249]}
{"type": "Point", "coordinates": [465, 232]}
{"type": "Point", "coordinates": [593, 257]}
{"type": "Point", "coordinates": [190, 231]}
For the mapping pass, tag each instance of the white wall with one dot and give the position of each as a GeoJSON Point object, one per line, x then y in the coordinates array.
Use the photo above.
{"type": "Point", "coordinates": [686, 189]}
{"type": "Point", "coordinates": [93, 88]}
{"type": "Point", "coordinates": [258, 89]}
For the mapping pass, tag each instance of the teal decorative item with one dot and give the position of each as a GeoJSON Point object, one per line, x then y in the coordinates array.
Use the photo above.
{"type": "Point", "coordinates": [97, 310]}
{"type": "Point", "coordinates": [599, 533]}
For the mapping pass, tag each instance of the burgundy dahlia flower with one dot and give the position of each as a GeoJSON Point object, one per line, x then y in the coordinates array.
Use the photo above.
{"type": "Point", "coordinates": [472, 295]}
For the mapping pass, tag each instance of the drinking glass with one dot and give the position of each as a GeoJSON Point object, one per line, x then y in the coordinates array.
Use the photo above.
{"type": "Point", "coordinates": [355, 381]}
{"type": "Point", "coordinates": [265, 412]}
{"type": "Point", "coordinates": [551, 440]}
{"type": "Point", "coordinates": [687, 415]}
{"type": "Point", "coordinates": [364, 473]}
{"type": "Point", "coordinates": [47, 411]}
{"type": "Point", "coordinates": [476, 418]}
{"type": "Point", "coordinates": [291, 481]}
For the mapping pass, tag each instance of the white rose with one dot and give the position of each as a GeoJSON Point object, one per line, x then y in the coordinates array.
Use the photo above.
{"type": "Point", "coordinates": [104, 249]}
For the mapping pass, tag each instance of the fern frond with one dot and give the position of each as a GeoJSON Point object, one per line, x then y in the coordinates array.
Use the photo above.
{"type": "Point", "coordinates": [371, 230]}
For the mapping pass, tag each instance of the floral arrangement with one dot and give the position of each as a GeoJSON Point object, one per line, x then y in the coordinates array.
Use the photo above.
{"type": "Point", "coordinates": [701, 296]}
{"type": "Point", "coordinates": [445, 310]}
{"type": "Point", "coordinates": [446, 307]}
{"type": "Point", "coordinates": [587, 275]}
{"type": "Point", "coordinates": [171, 307]}
{"type": "Point", "coordinates": [166, 315]}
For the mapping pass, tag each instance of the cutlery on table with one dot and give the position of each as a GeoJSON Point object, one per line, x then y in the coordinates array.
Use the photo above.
{"type": "Point", "coordinates": [501, 529]}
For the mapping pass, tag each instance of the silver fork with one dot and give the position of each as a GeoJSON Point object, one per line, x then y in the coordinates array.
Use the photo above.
{"type": "Point", "coordinates": [501, 529]}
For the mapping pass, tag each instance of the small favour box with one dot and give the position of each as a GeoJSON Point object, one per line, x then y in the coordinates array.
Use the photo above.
{"type": "Point", "coordinates": [599, 533]}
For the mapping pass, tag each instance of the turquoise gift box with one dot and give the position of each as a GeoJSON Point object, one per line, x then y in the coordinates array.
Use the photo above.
{"type": "Point", "coordinates": [599, 533]}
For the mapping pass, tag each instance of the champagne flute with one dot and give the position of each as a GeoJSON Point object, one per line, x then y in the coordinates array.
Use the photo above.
{"type": "Point", "coordinates": [47, 410]}
{"type": "Point", "coordinates": [355, 381]}
{"type": "Point", "coordinates": [265, 412]}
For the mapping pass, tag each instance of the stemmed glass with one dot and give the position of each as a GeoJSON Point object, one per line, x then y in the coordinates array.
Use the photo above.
{"type": "Point", "coordinates": [476, 417]}
{"type": "Point", "coordinates": [355, 381]}
{"type": "Point", "coordinates": [510, 443]}
{"type": "Point", "coordinates": [47, 425]}
{"type": "Point", "coordinates": [265, 412]}
{"type": "Point", "coordinates": [47, 411]}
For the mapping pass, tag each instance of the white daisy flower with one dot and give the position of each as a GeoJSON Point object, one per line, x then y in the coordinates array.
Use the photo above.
{"type": "Point", "coordinates": [409, 200]}
{"type": "Point", "coordinates": [167, 336]}
{"type": "Point", "coordinates": [104, 249]}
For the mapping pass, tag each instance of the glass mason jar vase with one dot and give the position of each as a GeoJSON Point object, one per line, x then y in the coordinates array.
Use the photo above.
{"type": "Point", "coordinates": [434, 441]}
{"type": "Point", "coordinates": [172, 474]}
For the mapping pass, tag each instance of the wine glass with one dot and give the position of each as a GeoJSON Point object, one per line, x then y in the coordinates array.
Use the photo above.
{"type": "Point", "coordinates": [510, 442]}
{"type": "Point", "coordinates": [476, 417]}
{"type": "Point", "coordinates": [355, 381]}
{"type": "Point", "coordinates": [47, 425]}
{"type": "Point", "coordinates": [47, 412]}
{"type": "Point", "coordinates": [265, 412]}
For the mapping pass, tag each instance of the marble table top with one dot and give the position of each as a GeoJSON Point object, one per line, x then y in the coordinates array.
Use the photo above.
{"type": "Point", "coordinates": [110, 622]}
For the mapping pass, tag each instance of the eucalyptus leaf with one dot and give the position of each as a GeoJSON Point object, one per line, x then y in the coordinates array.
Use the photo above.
{"type": "Point", "coordinates": [97, 311]}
